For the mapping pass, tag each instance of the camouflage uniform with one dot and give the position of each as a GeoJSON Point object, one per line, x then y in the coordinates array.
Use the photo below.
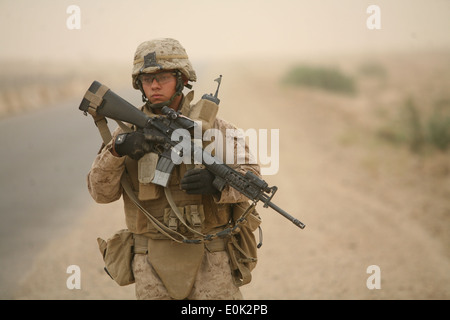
{"type": "Point", "coordinates": [212, 278]}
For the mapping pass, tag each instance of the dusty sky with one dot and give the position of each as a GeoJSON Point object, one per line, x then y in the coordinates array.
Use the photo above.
{"type": "Point", "coordinates": [111, 29]}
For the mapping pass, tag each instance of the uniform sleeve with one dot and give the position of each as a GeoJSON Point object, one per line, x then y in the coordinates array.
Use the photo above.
{"type": "Point", "coordinates": [103, 179]}
{"type": "Point", "coordinates": [242, 162]}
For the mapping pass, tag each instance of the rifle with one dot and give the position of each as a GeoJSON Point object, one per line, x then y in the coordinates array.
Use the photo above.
{"type": "Point", "coordinates": [99, 100]}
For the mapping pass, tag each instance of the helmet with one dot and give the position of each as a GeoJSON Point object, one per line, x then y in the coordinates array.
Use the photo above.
{"type": "Point", "coordinates": [161, 54]}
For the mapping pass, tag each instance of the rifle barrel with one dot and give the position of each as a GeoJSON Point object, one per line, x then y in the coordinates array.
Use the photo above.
{"type": "Point", "coordinates": [295, 221]}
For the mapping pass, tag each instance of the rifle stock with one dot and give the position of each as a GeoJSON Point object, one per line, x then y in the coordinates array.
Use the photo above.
{"type": "Point", "coordinates": [112, 106]}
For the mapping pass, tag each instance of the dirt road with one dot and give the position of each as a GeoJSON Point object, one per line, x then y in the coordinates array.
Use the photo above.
{"type": "Point", "coordinates": [364, 203]}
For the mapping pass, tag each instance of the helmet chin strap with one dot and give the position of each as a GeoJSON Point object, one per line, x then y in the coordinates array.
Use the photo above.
{"type": "Point", "coordinates": [158, 106]}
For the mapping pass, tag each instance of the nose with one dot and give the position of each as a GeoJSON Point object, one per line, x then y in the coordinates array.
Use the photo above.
{"type": "Point", "coordinates": [155, 84]}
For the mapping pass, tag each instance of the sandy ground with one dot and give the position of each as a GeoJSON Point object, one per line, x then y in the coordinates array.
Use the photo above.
{"type": "Point", "coordinates": [364, 202]}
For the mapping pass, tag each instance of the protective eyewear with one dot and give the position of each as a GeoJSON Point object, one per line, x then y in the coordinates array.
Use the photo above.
{"type": "Point", "coordinates": [161, 78]}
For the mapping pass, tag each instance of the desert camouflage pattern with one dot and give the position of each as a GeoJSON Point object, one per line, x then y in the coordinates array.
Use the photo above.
{"type": "Point", "coordinates": [214, 280]}
{"type": "Point", "coordinates": [169, 54]}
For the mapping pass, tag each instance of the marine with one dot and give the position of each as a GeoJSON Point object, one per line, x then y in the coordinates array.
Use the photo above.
{"type": "Point", "coordinates": [143, 253]}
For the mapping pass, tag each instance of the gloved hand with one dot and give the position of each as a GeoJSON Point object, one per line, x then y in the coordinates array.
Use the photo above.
{"type": "Point", "coordinates": [198, 181]}
{"type": "Point", "coordinates": [132, 144]}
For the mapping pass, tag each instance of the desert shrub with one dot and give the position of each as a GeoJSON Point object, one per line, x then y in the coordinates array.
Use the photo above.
{"type": "Point", "coordinates": [439, 125]}
{"type": "Point", "coordinates": [412, 129]}
{"type": "Point", "coordinates": [326, 78]}
{"type": "Point", "coordinates": [373, 70]}
{"type": "Point", "coordinates": [419, 129]}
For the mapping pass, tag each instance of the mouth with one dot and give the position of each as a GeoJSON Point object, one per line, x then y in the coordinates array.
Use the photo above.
{"type": "Point", "coordinates": [156, 98]}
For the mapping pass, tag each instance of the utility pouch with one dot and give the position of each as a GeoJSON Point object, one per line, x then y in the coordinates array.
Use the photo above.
{"type": "Point", "coordinates": [242, 247]}
{"type": "Point", "coordinates": [117, 253]}
{"type": "Point", "coordinates": [206, 111]}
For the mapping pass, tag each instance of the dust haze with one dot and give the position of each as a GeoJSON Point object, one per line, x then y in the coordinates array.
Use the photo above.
{"type": "Point", "coordinates": [367, 171]}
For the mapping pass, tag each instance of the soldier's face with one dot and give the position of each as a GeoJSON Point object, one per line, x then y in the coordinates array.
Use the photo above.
{"type": "Point", "coordinates": [159, 87]}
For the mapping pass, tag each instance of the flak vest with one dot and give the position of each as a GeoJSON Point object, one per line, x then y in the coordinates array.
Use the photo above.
{"type": "Point", "coordinates": [201, 212]}
{"type": "Point", "coordinates": [177, 263]}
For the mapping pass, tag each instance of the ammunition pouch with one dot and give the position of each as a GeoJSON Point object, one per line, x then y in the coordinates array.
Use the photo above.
{"type": "Point", "coordinates": [193, 215]}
